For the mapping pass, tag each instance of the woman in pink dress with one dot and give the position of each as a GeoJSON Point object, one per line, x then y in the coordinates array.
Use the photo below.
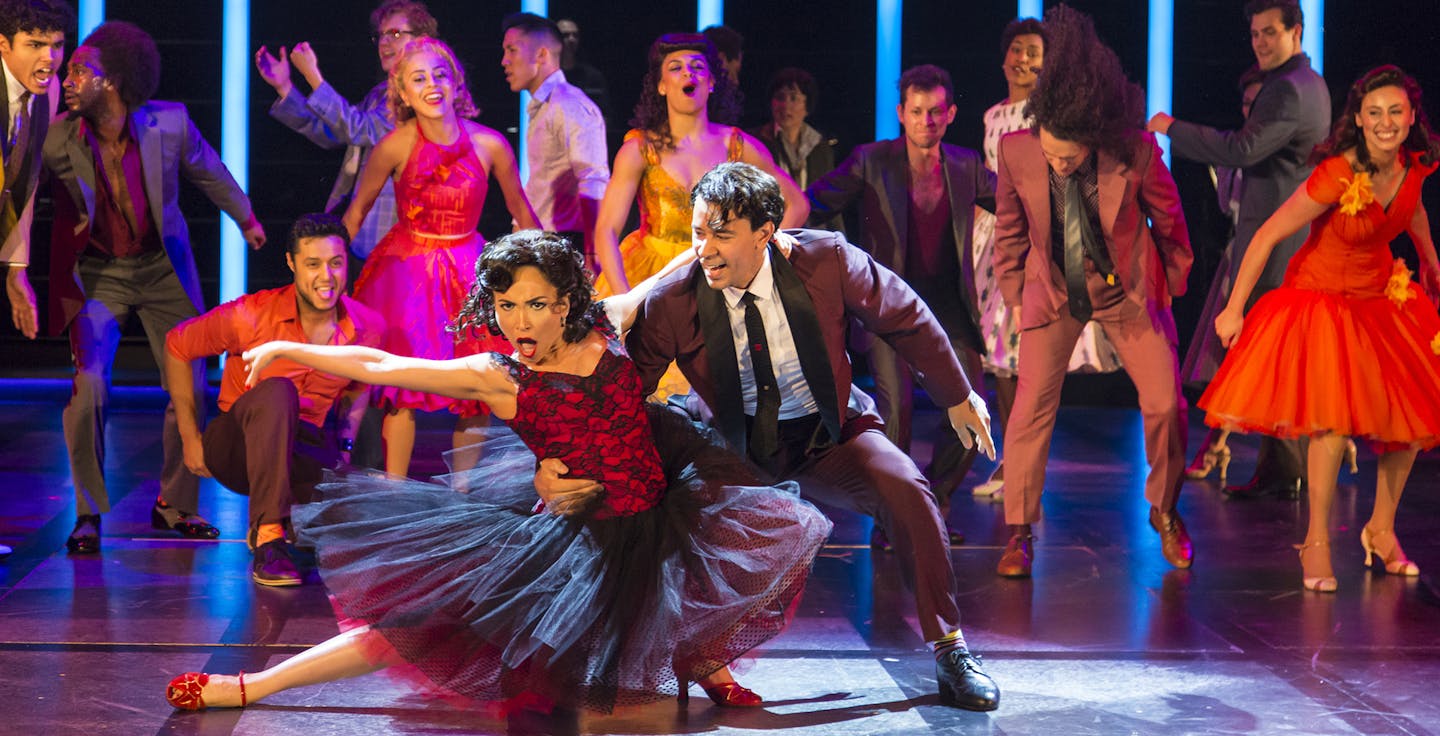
{"type": "Point", "coordinates": [420, 272]}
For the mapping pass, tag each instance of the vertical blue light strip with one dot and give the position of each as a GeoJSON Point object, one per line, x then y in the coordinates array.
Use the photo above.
{"type": "Point", "coordinates": [1160, 71]}
{"type": "Point", "coordinates": [709, 13]}
{"type": "Point", "coordinates": [1314, 41]}
{"type": "Point", "coordinates": [234, 136]}
{"type": "Point", "coordinates": [1030, 9]}
{"type": "Point", "coordinates": [92, 13]}
{"type": "Point", "coordinates": [542, 9]}
{"type": "Point", "coordinates": [887, 67]}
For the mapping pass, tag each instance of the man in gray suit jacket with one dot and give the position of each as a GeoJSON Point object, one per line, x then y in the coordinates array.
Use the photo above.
{"type": "Point", "coordinates": [1288, 117]}
{"type": "Point", "coordinates": [120, 245]}
{"type": "Point", "coordinates": [917, 197]}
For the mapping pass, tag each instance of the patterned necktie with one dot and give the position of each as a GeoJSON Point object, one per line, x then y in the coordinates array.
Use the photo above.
{"type": "Point", "coordinates": [1078, 290]}
{"type": "Point", "coordinates": [765, 430]}
{"type": "Point", "coordinates": [22, 122]}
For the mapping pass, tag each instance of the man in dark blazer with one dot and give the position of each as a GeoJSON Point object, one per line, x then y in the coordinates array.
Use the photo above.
{"type": "Point", "coordinates": [916, 199]}
{"type": "Point", "coordinates": [1289, 116]}
{"type": "Point", "coordinates": [1089, 226]}
{"type": "Point", "coordinates": [32, 44]}
{"type": "Point", "coordinates": [120, 245]}
{"type": "Point", "coordinates": [785, 394]}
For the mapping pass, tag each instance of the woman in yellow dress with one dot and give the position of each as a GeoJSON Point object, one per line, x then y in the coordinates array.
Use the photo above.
{"type": "Point", "coordinates": [672, 145]}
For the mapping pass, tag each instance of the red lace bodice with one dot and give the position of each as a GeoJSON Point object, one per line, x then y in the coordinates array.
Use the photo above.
{"type": "Point", "coordinates": [595, 424]}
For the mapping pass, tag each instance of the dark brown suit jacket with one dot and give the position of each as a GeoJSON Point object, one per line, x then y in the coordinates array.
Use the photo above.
{"type": "Point", "coordinates": [831, 279]}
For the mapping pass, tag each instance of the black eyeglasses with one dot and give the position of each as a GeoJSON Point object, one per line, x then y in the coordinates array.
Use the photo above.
{"type": "Point", "coordinates": [392, 36]}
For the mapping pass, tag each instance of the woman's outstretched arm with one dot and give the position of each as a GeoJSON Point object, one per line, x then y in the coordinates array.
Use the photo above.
{"type": "Point", "coordinates": [473, 377]}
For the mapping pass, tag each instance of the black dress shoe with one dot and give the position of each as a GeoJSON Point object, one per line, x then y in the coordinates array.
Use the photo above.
{"type": "Point", "coordinates": [962, 684]}
{"type": "Point", "coordinates": [1290, 489]}
{"type": "Point", "coordinates": [190, 526]}
{"type": "Point", "coordinates": [879, 540]}
{"type": "Point", "coordinates": [84, 539]}
{"type": "Point", "coordinates": [273, 565]}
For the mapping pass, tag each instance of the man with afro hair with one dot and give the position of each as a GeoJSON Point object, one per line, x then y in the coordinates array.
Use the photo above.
{"type": "Point", "coordinates": [1089, 227]}
{"type": "Point", "coordinates": [120, 246]}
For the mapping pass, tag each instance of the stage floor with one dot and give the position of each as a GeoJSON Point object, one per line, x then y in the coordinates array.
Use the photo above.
{"type": "Point", "coordinates": [1105, 639]}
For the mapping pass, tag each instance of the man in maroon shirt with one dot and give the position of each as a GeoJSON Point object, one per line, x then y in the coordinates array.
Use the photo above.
{"type": "Point", "coordinates": [916, 197]}
{"type": "Point", "coordinates": [268, 441]}
{"type": "Point", "coordinates": [120, 246]}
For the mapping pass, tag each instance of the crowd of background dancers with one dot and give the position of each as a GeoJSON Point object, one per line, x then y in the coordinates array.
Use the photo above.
{"type": "Point", "coordinates": [1064, 235]}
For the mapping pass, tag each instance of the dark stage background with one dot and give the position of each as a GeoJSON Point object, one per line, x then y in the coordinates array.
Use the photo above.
{"type": "Point", "coordinates": [834, 40]}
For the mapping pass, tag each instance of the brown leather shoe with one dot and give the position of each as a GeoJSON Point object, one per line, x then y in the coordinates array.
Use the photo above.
{"type": "Point", "coordinates": [1019, 553]}
{"type": "Point", "coordinates": [1174, 540]}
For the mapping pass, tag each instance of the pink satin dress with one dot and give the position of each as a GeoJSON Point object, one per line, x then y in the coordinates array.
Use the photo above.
{"type": "Point", "coordinates": [419, 282]}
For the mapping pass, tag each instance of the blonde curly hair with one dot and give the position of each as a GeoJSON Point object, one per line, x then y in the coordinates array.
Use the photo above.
{"type": "Point", "coordinates": [399, 111]}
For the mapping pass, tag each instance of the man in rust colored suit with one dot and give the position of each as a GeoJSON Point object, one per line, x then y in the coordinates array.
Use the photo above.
{"type": "Point", "coordinates": [1072, 244]}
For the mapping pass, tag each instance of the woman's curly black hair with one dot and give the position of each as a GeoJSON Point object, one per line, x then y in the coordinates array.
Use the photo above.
{"type": "Point", "coordinates": [1083, 95]}
{"type": "Point", "coordinates": [651, 114]}
{"type": "Point", "coordinates": [562, 266]}
{"type": "Point", "coordinates": [1346, 135]}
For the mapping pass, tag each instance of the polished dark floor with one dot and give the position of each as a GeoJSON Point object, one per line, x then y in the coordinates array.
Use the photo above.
{"type": "Point", "coordinates": [1106, 639]}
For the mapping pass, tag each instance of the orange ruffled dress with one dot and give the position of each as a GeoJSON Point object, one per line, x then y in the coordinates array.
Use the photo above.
{"type": "Point", "coordinates": [1349, 344]}
{"type": "Point", "coordinates": [419, 283]}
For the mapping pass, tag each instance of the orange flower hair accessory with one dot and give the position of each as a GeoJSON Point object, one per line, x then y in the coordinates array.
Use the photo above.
{"type": "Point", "coordinates": [1435, 344]}
{"type": "Point", "coordinates": [1357, 195]}
{"type": "Point", "coordinates": [1400, 288]}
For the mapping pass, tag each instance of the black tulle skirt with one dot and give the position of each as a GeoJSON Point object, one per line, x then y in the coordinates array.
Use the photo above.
{"type": "Point", "coordinates": [486, 600]}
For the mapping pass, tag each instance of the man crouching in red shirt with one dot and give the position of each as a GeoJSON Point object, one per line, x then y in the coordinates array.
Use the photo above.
{"type": "Point", "coordinates": [268, 442]}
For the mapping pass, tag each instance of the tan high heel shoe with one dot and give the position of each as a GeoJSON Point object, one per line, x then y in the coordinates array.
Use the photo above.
{"type": "Point", "coordinates": [1351, 456]}
{"type": "Point", "coordinates": [1209, 458]}
{"type": "Point", "coordinates": [1399, 565]}
{"type": "Point", "coordinates": [1317, 583]}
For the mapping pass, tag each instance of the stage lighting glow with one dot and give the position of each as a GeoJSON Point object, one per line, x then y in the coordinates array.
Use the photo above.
{"type": "Point", "coordinates": [709, 13]}
{"type": "Point", "coordinates": [234, 136]}
{"type": "Point", "coordinates": [542, 9]}
{"type": "Point", "coordinates": [91, 14]}
{"type": "Point", "coordinates": [1160, 70]}
{"type": "Point", "coordinates": [1030, 9]}
{"type": "Point", "coordinates": [887, 67]}
{"type": "Point", "coordinates": [1313, 42]}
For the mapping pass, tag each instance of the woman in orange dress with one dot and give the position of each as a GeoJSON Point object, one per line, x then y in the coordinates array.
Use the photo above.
{"type": "Point", "coordinates": [1349, 346]}
{"type": "Point", "coordinates": [420, 272]}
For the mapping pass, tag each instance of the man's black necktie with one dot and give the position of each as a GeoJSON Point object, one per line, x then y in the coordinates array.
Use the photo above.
{"type": "Point", "coordinates": [1075, 226]}
{"type": "Point", "coordinates": [765, 430]}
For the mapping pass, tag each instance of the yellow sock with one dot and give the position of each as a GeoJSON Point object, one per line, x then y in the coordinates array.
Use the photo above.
{"type": "Point", "coordinates": [268, 533]}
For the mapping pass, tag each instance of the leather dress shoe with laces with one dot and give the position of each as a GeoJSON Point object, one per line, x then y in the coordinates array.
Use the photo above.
{"type": "Point", "coordinates": [1174, 539]}
{"type": "Point", "coordinates": [963, 684]}
{"type": "Point", "coordinates": [1019, 554]}
{"type": "Point", "coordinates": [84, 539]}
{"type": "Point", "coordinates": [190, 526]}
{"type": "Point", "coordinates": [1287, 488]}
{"type": "Point", "coordinates": [273, 566]}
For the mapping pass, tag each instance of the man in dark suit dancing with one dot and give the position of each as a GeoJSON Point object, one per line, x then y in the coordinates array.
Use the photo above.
{"type": "Point", "coordinates": [762, 341]}
{"type": "Point", "coordinates": [120, 245]}
{"type": "Point", "coordinates": [1289, 116]}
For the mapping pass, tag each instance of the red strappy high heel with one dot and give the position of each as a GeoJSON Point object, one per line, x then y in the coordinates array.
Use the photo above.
{"type": "Point", "coordinates": [183, 693]}
{"type": "Point", "coordinates": [733, 695]}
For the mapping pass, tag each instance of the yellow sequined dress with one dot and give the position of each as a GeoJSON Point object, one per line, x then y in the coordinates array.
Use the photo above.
{"type": "Point", "coordinates": [664, 231]}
